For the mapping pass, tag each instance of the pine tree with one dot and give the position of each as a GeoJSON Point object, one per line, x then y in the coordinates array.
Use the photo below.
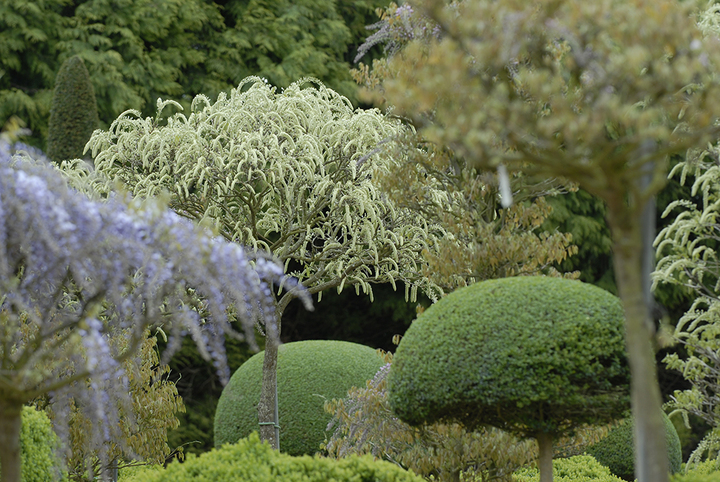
{"type": "Point", "coordinates": [73, 114]}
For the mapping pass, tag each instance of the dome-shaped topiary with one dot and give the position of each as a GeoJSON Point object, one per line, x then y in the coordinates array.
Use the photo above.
{"type": "Point", "coordinates": [38, 443]}
{"type": "Point", "coordinates": [615, 451]}
{"type": "Point", "coordinates": [533, 355]}
{"type": "Point", "coordinates": [73, 112]}
{"type": "Point", "coordinates": [309, 372]}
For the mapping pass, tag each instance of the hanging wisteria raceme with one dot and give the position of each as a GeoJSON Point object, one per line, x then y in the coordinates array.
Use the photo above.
{"type": "Point", "coordinates": [75, 271]}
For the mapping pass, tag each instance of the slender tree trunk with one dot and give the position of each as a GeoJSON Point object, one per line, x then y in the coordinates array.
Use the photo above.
{"type": "Point", "coordinates": [10, 422]}
{"type": "Point", "coordinates": [651, 461]}
{"type": "Point", "coordinates": [545, 456]}
{"type": "Point", "coordinates": [266, 407]}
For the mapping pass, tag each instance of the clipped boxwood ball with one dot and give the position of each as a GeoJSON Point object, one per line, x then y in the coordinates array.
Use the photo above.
{"type": "Point", "coordinates": [529, 354]}
{"type": "Point", "coordinates": [308, 374]}
{"type": "Point", "coordinates": [615, 451]}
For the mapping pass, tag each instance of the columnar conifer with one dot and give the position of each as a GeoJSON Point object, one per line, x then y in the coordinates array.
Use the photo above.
{"type": "Point", "coordinates": [73, 113]}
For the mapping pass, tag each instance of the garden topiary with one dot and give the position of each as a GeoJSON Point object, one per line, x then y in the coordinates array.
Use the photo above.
{"type": "Point", "coordinates": [580, 468]}
{"type": "Point", "coordinates": [38, 442]}
{"type": "Point", "coordinates": [73, 112]}
{"type": "Point", "coordinates": [615, 451]}
{"type": "Point", "coordinates": [309, 373]}
{"type": "Point", "coordinates": [249, 460]}
{"type": "Point", "coordinates": [535, 356]}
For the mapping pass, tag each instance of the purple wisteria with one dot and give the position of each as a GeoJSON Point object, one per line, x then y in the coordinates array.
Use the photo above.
{"type": "Point", "coordinates": [75, 272]}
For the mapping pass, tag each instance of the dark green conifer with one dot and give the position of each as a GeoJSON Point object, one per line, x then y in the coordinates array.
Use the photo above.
{"type": "Point", "coordinates": [73, 112]}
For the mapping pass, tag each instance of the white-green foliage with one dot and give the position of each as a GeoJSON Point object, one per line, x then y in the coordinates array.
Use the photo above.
{"type": "Point", "coordinates": [289, 172]}
{"type": "Point", "coordinates": [688, 252]}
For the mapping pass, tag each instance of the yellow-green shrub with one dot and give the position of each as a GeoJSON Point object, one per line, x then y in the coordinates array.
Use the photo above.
{"type": "Point", "coordinates": [581, 468]}
{"type": "Point", "coordinates": [38, 442]}
{"type": "Point", "coordinates": [707, 471]}
{"type": "Point", "coordinates": [249, 460]}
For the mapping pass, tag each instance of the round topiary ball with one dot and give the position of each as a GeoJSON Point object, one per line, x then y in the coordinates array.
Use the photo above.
{"type": "Point", "coordinates": [308, 374]}
{"type": "Point", "coordinates": [530, 355]}
{"type": "Point", "coordinates": [616, 450]}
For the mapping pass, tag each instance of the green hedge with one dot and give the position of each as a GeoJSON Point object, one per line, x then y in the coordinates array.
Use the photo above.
{"type": "Point", "coordinates": [615, 451]}
{"type": "Point", "coordinates": [581, 468]}
{"type": "Point", "coordinates": [308, 374]}
{"type": "Point", "coordinates": [39, 462]}
{"type": "Point", "coordinates": [252, 461]}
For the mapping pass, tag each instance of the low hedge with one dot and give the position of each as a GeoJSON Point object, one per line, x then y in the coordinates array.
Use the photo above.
{"type": "Point", "coordinates": [581, 468]}
{"type": "Point", "coordinates": [249, 460]}
{"type": "Point", "coordinates": [694, 477]}
{"type": "Point", "coordinates": [708, 471]}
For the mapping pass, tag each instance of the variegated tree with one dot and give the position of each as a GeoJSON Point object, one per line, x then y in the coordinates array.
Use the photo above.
{"type": "Point", "coordinates": [291, 173]}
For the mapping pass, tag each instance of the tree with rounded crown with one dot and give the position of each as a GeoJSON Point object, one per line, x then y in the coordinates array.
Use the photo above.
{"type": "Point", "coordinates": [73, 112]}
{"type": "Point", "coordinates": [75, 272]}
{"type": "Point", "coordinates": [535, 356]}
{"type": "Point", "coordinates": [291, 173]}
{"type": "Point", "coordinates": [599, 93]}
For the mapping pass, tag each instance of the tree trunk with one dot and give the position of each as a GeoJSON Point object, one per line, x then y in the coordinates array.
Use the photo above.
{"type": "Point", "coordinates": [10, 422]}
{"type": "Point", "coordinates": [268, 394]}
{"type": "Point", "coordinates": [545, 456]}
{"type": "Point", "coordinates": [651, 461]}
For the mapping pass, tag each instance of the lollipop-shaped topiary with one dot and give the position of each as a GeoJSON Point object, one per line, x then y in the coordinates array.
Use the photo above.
{"type": "Point", "coordinates": [535, 356]}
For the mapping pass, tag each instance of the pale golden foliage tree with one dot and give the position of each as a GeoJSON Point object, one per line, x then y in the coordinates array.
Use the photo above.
{"type": "Point", "coordinates": [482, 239]}
{"type": "Point", "coordinates": [600, 93]}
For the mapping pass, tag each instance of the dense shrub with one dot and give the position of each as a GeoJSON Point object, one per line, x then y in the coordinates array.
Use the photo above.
{"type": "Point", "coordinates": [309, 373]}
{"type": "Point", "coordinates": [696, 477]}
{"type": "Point", "coordinates": [73, 112]}
{"type": "Point", "coordinates": [707, 471]}
{"type": "Point", "coordinates": [581, 468]}
{"type": "Point", "coordinates": [38, 442]}
{"type": "Point", "coordinates": [616, 450]}
{"type": "Point", "coordinates": [252, 461]}
{"type": "Point", "coordinates": [561, 345]}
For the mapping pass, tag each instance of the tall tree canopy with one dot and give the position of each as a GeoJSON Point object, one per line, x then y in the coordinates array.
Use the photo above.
{"type": "Point", "coordinates": [600, 93]}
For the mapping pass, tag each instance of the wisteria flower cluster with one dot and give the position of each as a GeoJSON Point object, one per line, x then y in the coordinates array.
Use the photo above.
{"type": "Point", "coordinates": [75, 271]}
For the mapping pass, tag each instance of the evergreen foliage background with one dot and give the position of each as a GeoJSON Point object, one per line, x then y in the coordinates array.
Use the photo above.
{"type": "Point", "coordinates": [139, 50]}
